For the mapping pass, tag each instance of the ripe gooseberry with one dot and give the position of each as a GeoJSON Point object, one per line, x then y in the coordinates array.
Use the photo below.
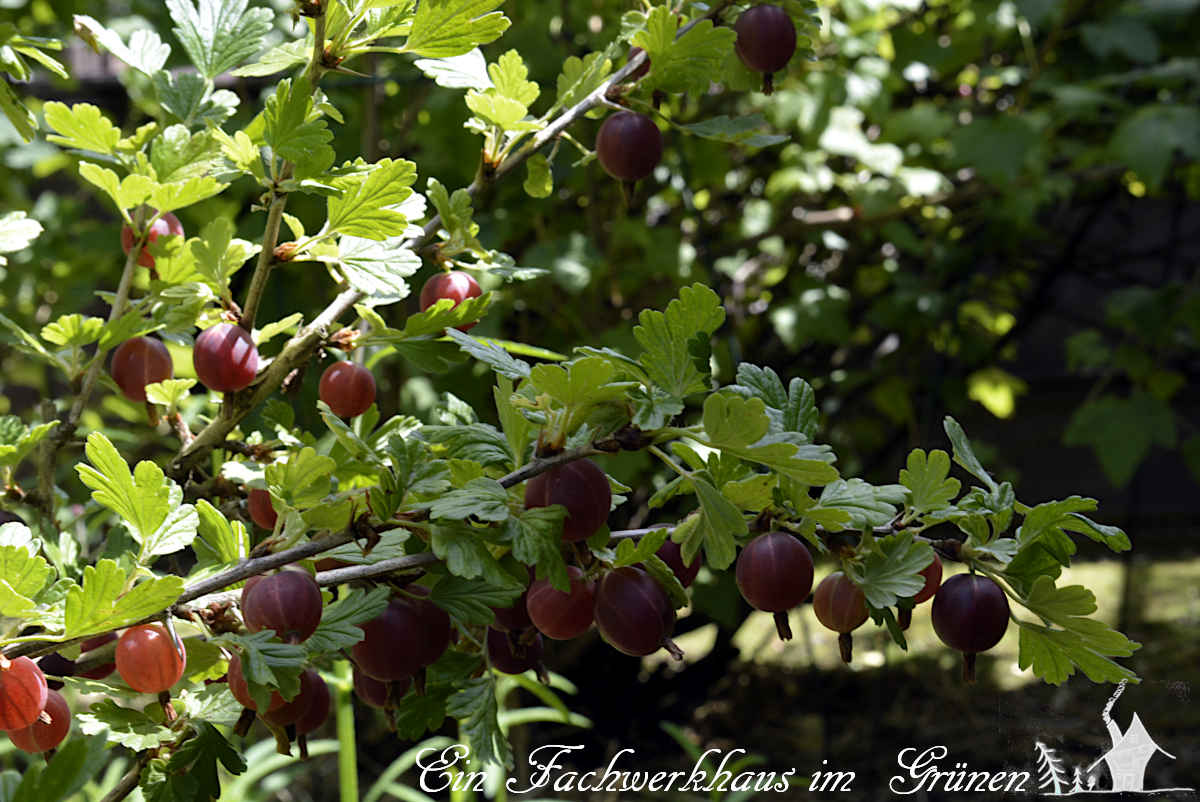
{"type": "Point", "coordinates": [671, 553]}
{"type": "Point", "coordinates": [138, 362]}
{"type": "Point", "coordinates": [394, 643]}
{"type": "Point", "coordinates": [288, 602]}
{"type": "Point", "coordinates": [970, 613]}
{"type": "Point", "coordinates": [165, 226]}
{"type": "Point", "coordinates": [433, 620]}
{"type": "Point", "coordinates": [22, 692]}
{"type": "Point", "coordinates": [290, 712]}
{"type": "Point", "coordinates": [455, 285]}
{"type": "Point", "coordinates": [56, 665]}
{"type": "Point", "coordinates": [559, 615]}
{"type": "Point", "coordinates": [932, 574]}
{"type": "Point", "coordinates": [225, 358]}
{"type": "Point", "coordinates": [91, 644]}
{"type": "Point", "coordinates": [148, 660]}
{"type": "Point", "coordinates": [347, 388]}
{"type": "Point", "coordinates": [43, 735]}
{"type": "Point", "coordinates": [514, 652]}
{"type": "Point", "coordinates": [840, 606]}
{"type": "Point", "coordinates": [317, 710]}
{"type": "Point", "coordinates": [766, 40]}
{"type": "Point", "coordinates": [774, 574]}
{"type": "Point", "coordinates": [262, 512]}
{"type": "Point", "coordinates": [629, 146]}
{"type": "Point", "coordinates": [241, 690]}
{"type": "Point", "coordinates": [633, 613]}
{"type": "Point", "coordinates": [582, 488]}
{"type": "Point", "coordinates": [376, 693]}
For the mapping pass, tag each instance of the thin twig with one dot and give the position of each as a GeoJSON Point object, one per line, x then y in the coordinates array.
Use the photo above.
{"type": "Point", "coordinates": [130, 780]}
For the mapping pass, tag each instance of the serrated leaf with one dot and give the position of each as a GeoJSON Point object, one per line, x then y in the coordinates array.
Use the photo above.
{"type": "Point", "coordinates": [132, 729]}
{"type": "Point", "coordinates": [219, 34]}
{"type": "Point", "coordinates": [716, 528]}
{"type": "Point", "coordinates": [181, 194]}
{"type": "Point", "coordinates": [339, 621]}
{"type": "Point", "coordinates": [470, 600]}
{"type": "Point", "coordinates": [539, 181]}
{"type": "Point", "coordinates": [465, 551]}
{"type": "Point", "coordinates": [485, 499]}
{"type": "Point", "coordinates": [75, 763]}
{"type": "Point", "coordinates": [580, 77]}
{"type": "Point", "coordinates": [141, 499]}
{"type": "Point", "coordinates": [536, 539]}
{"type": "Point", "coordinates": [366, 204]}
{"type": "Point", "coordinates": [218, 541]}
{"type": "Point", "coordinates": [21, 571]}
{"type": "Point", "coordinates": [443, 28]}
{"type": "Point", "coordinates": [476, 708]}
{"type": "Point", "coordinates": [303, 480]}
{"type": "Point", "coordinates": [479, 442]}
{"type": "Point", "coordinates": [169, 393]}
{"type": "Point", "coordinates": [687, 63]}
{"type": "Point", "coordinates": [743, 131]}
{"type": "Point", "coordinates": [17, 232]}
{"type": "Point", "coordinates": [73, 331]}
{"type": "Point", "coordinates": [468, 71]}
{"type": "Point", "coordinates": [146, 51]}
{"type": "Point", "coordinates": [125, 193]}
{"type": "Point", "coordinates": [378, 268]}
{"type": "Point", "coordinates": [964, 455]}
{"type": "Point", "coordinates": [631, 553]}
{"type": "Point", "coordinates": [81, 127]}
{"type": "Point", "coordinates": [268, 664]}
{"type": "Point", "coordinates": [100, 603]}
{"type": "Point", "coordinates": [667, 337]}
{"type": "Point", "coordinates": [926, 478]}
{"type": "Point", "coordinates": [498, 359]}
{"type": "Point", "coordinates": [891, 570]}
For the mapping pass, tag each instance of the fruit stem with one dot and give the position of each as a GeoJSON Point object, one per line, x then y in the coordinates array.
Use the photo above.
{"type": "Point", "coordinates": [672, 648]}
{"type": "Point", "coordinates": [782, 626]}
{"type": "Point", "coordinates": [169, 713]}
{"type": "Point", "coordinates": [846, 646]}
{"type": "Point", "coordinates": [968, 673]}
{"type": "Point", "coordinates": [768, 86]}
{"type": "Point", "coordinates": [244, 723]}
{"type": "Point", "coordinates": [904, 619]}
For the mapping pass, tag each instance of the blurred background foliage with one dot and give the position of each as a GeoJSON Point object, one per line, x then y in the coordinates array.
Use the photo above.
{"type": "Point", "coordinates": [986, 209]}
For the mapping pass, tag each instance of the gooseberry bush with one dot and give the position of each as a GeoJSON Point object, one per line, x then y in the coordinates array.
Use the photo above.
{"type": "Point", "coordinates": [415, 561]}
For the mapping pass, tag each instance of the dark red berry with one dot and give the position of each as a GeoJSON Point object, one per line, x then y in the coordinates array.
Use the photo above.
{"type": "Point", "coordinates": [258, 504]}
{"type": "Point", "coordinates": [56, 665]}
{"type": "Point", "coordinates": [840, 605]}
{"type": "Point", "coordinates": [376, 693]}
{"type": "Point", "coordinates": [514, 652]}
{"type": "Point", "coordinates": [319, 703]}
{"type": "Point", "coordinates": [347, 388]}
{"type": "Point", "coordinates": [165, 226]}
{"type": "Point", "coordinates": [225, 358]}
{"type": "Point", "coordinates": [138, 362]}
{"type": "Point", "coordinates": [22, 693]}
{"type": "Point", "coordinates": [559, 615]}
{"type": "Point", "coordinates": [774, 573]}
{"type": "Point", "coordinates": [516, 617]}
{"type": "Point", "coordinates": [633, 613]}
{"type": "Point", "coordinates": [671, 553]}
{"type": "Point", "coordinates": [970, 613]}
{"type": "Point", "coordinates": [455, 285]}
{"type": "Point", "coordinates": [394, 643]}
{"type": "Point", "coordinates": [288, 602]}
{"type": "Point", "coordinates": [241, 691]}
{"type": "Point", "coordinates": [42, 736]}
{"type": "Point", "coordinates": [433, 620]}
{"type": "Point", "coordinates": [582, 488]}
{"type": "Point", "coordinates": [292, 711]}
{"type": "Point", "coordinates": [104, 669]}
{"type": "Point", "coordinates": [766, 40]}
{"type": "Point", "coordinates": [147, 659]}
{"type": "Point", "coordinates": [933, 580]}
{"type": "Point", "coordinates": [629, 146]}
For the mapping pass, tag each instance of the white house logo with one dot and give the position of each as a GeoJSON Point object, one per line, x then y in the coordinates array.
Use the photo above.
{"type": "Point", "coordinates": [1121, 769]}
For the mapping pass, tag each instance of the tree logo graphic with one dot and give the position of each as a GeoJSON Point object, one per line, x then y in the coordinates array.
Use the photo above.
{"type": "Point", "coordinates": [1125, 761]}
